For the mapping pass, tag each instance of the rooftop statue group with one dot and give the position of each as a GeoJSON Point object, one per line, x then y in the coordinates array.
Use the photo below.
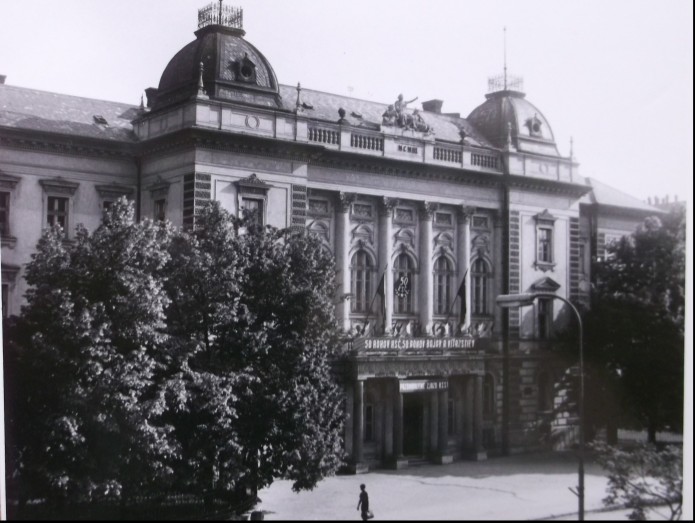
{"type": "Point", "coordinates": [396, 115]}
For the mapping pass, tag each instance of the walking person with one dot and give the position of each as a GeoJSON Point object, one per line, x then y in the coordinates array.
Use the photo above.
{"type": "Point", "coordinates": [363, 503]}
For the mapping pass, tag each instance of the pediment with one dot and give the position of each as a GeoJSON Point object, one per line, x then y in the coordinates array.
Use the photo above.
{"type": "Point", "coordinates": [546, 284]}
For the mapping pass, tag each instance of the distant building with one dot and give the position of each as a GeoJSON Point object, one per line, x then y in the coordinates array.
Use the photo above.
{"type": "Point", "coordinates": [440, 212]}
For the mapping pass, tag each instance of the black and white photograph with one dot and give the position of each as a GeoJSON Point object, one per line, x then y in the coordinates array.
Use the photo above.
{"type": "Point", "coordinates": [346, 260]}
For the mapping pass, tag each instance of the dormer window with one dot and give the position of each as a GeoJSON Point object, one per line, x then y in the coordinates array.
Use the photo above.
{"type": "Point", "coordinates": [535, 126]}
{"type": "Point", "coordinates": [246, 70]}
{"type": "Point", "coordinates": [98, 119]}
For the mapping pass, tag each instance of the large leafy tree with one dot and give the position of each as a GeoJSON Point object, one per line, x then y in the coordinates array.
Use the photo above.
{"type": "Point", "coordinates": [635, 329]}
{"type": "Point", "coordinates": [149, 361]}
{"type": "Point", "coordinates": [86, 412]}
{"type": "Point", "coordinates": [253, 322]}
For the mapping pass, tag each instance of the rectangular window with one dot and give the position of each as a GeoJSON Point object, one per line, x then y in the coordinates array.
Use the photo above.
{"type": "Point", "coordinates": [480, 222]}
{"type": "Point", "coordinates": [443, 218]}
{"type": "Point", "coordinates": [582, 255]}
{"type": "Point", "coordinates": [160, 209]}
{"type": "Point", "coordinates": [545, 245]}
{"type": "Point", "coordinates": [545, 319]}
{"type": "Point", "coordinates": [254, 207]}
{"type": "Point", "coordinates": [57, 212]}
{"type": "Point", "coordinates": [369, 422]}
{"type": "Point", "coordinates": [4, 213]}
{"type": "Point", "coordinates": [5, 300]}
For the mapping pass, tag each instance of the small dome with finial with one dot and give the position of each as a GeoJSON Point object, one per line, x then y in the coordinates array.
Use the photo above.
{"type": "Point", "coordinates": [232, 68]}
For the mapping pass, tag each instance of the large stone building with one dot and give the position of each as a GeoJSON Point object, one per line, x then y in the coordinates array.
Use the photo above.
{"type": "Point", "coordinates": [429, 215]}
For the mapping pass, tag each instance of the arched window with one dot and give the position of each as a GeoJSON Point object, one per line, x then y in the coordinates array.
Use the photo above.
{"type": "Point", "coordinates": [362, 285]}
{"type": "Point", "coordinates": [480, 276]}
{"type": "Point", "coordinates": [443, 274]}
{"type": "Point", "coordinates": [403, 284]}
{"type": "Point", "coordinates": [488, 397]}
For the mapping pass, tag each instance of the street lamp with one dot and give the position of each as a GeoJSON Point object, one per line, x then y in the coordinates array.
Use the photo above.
{"type": "Point", "coordinates": [508, 301]}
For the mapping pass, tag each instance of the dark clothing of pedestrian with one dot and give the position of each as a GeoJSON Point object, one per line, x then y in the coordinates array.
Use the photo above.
{"type": "Point", "coordinates": [363, 503]}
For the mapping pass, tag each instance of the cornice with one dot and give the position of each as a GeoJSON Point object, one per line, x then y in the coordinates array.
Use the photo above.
{"type": "Point", "coordinates": [235, 143]}
{"type": "Point", "coordinates": [63, 144]}
{"type": "Point", "coordinates": [394, 167]}
{"type": "Point", "coordinates": [547, 186]}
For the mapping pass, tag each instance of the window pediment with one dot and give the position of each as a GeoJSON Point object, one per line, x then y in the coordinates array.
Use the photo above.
{"type": "Point", "coordinates": [546, 284]}
{"type": "Point", "coordinates": [59, 186]}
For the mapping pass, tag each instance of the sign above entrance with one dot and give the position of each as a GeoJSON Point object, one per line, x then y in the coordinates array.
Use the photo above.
{"type": "Point", "coordinates": [405, 344]}
{"type": "Point", "coordinates": [422, 385]}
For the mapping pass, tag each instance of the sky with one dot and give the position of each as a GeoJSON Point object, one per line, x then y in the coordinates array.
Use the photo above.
{"type": "Point", "coordinates": [614, 76]}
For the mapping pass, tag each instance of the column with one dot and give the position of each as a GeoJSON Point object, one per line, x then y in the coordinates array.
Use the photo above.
{"type": "Point", "coordinates": [350, 417]}
{"type": "Point", "coordinates": [434, 422]}
{"type": "Point", "coordinates": [443, 443]}
{"type": "Point", "coordinates": [426, 277]}
{"type": "Point", "coordinates": [388, 420]}
{"type": "Point", "coordinates": [358, 424]}
{"type": "Point", "coordinates": [342, 258]}
{"type": "Point", "coordinates": [478, 449]}
{"type": "Point", "coordinates": [468, 411]}
{"type": "Point", "coordinates": [385, 264]}
{"type": "Point", "coordinates": [464, 258]}
{"type": "Point", "coordinates": [398, 422]}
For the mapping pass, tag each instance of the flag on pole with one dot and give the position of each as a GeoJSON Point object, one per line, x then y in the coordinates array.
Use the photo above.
{"type": "Point", "coordinates": [380, 291]}
{"type": "Point", "coordinates": [462, 294]}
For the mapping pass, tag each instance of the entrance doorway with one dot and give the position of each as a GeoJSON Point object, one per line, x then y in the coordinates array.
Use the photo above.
{"type": "Point", "coordinates": [413, 420]}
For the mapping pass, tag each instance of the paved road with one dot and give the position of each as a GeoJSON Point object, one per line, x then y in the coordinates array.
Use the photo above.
{"type": "Point", "coordinates": [534, 486]}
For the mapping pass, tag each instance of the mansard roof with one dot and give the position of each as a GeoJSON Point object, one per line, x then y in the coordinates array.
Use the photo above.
{"type": "Point", "coordinates": [605, 195]}
{"type": "Point", "coordinates": [368, 114]}
{"type": "Point", "coordinates": [34, 110]}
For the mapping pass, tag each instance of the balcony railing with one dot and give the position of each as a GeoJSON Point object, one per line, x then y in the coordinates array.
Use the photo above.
{"type": "Point", "coordinates": [487, 161]}
{"type": "Point", "coordinates": [371, 143]}
{"type": "Point", "coordinates": [319, 135]}
{"type": "Point", "coordinates": [444, 154]}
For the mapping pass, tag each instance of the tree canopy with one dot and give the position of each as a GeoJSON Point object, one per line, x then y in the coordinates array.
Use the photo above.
{"type": "Point", "coordinates": [635, 328]}
{"type": "Point", "coordinates": [150, 360]}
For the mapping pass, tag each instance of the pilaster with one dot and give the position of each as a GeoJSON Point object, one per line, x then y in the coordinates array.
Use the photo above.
{"type": "Point", "coordinates": [385, 263]}
{"type": "Point", "coordinates": [426, 279]}
{"type": "Point", "coordinates": [342, 257]}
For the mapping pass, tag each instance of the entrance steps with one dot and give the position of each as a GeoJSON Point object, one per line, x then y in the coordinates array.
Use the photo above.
{"type": "Point", "coordinates": [418, 461]}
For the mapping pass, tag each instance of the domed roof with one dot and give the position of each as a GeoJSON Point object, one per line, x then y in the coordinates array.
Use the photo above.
{"type": "Point", "coordinates": [233, 70]}
{"type": "Point", "coordinates": [507, 113]}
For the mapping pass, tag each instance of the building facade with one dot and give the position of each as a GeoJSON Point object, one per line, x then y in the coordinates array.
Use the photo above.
{"type": "Point", "coordinates": [430, 216]}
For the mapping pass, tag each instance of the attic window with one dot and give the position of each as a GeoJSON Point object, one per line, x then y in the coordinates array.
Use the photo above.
{"type": "Point", "coordinates": [307, 105]}
{"type": "Point", "coordinates": [100, 120]}
{"type": "Point", "coordinates": [356, 114]}
{"type": "Point", "coordinates": [534, 126]}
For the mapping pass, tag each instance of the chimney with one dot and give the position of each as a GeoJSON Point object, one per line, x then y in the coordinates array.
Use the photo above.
{"type": "Point", "coordinates": [3, 77]}
{"type": "Point", "coordinates": [433, 106]}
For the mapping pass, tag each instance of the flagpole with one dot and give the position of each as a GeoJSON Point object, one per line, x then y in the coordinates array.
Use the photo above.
{"type": "Point", "coordinates": [458, 293]}
{"type": "Point", "coordinates": [369, 311]}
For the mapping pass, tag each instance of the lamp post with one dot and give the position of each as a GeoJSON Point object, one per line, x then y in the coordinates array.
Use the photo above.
{"type": "Point", "coordinates": [508, 301]}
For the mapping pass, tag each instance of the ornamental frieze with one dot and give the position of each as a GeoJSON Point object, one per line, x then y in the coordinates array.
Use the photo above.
{"type": "Point", "coordinates": [404, 369]}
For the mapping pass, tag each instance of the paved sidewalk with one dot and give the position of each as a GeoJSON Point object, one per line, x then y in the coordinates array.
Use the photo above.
{"type": "Point", "coordinates": [531, 486]}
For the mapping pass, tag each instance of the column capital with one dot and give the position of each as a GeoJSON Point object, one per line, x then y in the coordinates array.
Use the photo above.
{"type": "Point", "coordinates": [344, 200]}
{"type": "Point", "coordinates": [387, 205]}
{"type": "Point", "coordinates": [427, 210]}
{"type": "Point", "coordinates": [464, 213]}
